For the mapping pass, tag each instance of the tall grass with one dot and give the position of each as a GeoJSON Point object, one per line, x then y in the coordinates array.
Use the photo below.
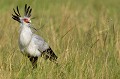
{"type": "Point", "coordinates": [84, 34]}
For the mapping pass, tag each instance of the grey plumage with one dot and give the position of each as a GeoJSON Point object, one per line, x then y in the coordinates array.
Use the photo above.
{"type": "Point", "coordinates": [31, 44]}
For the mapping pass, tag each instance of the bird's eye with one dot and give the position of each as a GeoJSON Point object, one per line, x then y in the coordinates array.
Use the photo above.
{"type": "Point", "coordinates": [26, 20]}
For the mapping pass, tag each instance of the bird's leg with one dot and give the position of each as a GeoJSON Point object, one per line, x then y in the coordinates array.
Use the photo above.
{"type": "Point", "coordinates": [33, 61]}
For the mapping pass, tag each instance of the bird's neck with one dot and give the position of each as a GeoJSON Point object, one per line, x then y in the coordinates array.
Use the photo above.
{"type": "Point", "coordinates": [25, 35]}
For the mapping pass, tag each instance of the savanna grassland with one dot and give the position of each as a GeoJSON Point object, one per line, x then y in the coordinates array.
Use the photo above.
{"type": "Point", "coordinates": [85, 34]}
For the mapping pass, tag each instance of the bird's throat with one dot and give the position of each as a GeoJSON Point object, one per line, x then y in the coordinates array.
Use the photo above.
{"type": "Point", "coordinates": [25, 36]}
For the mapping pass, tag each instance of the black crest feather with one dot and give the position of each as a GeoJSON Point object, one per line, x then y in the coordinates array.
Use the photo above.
{"type": "Point", "coordinates": [16, 16]}
{"type": "Point", "coordinates": [28, 11]}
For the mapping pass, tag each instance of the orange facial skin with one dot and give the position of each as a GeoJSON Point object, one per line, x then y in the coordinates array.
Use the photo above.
{"type": "Point", "coordinates": [26, 20]}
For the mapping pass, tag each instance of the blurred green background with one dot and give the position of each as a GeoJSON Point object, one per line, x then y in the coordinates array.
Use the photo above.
{"type": "Point", "coordinates": [83, 33]}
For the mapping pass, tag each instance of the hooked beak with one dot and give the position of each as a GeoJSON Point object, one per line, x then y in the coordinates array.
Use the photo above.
{"type": "Point", "coordinates": [30, 21]}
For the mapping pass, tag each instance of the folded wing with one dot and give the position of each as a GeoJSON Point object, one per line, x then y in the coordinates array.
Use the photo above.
{"type": "Point", "coordinates": [43, 47]}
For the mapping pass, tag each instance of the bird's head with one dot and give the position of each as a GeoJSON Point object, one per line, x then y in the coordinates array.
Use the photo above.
{"type": "Point", "coordinates": [23, 20]}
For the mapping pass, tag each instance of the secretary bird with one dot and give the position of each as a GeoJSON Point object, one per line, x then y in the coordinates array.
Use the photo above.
{"type": "Point", "coordinates": [30, 44]}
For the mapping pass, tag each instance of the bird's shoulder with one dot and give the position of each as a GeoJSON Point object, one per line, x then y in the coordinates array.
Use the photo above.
{"type": "Point", "coordinates": [37, 37]}
{"type": "Point", "coordinates": [39, 41]}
